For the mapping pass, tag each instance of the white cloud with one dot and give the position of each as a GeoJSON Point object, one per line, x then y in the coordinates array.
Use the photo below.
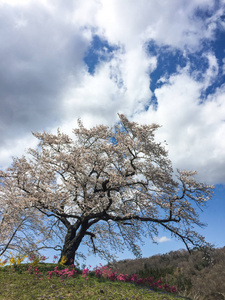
{"type": "Point", "coordinates": [16, 148]}
{"type": "Point", "coordinates": [14, 2]}
{"type": "Point", "coordinates": [212, 70]}
{"type": "Point", "coordinates": [120, 85]}
{"type": "Point", "coordinates": [167, 22]}
{"type": "Point", "coordinates": [37, 60]}
{"type": "Point", "coordinates": [161, 239]}
{"type": "Point", "coordinates": [194, 132]}
{"type": "Point", "coordinates": [45, 84]}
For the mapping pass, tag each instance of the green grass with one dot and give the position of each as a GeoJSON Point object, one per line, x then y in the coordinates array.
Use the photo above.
{"type": "Point", "coordinates": [16, 284]}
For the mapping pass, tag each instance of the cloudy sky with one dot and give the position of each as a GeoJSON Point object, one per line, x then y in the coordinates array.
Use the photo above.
{"type": "Point", "coordinates": [159, 61]}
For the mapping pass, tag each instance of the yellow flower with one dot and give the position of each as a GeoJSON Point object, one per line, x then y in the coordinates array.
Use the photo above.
{"type": "Point", "coordinates": [2, 263]}
{"type": "Point", "coordinates": [63, 260]}
{"type": "Point", "coordinates": [16, 260]}
{"type": "Point", "coordinates": [36, 261]}
{"type": "Point", "coordinates": [12, 261]}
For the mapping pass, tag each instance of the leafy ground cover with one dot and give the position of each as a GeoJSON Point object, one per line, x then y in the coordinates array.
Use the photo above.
{"type": "Point", "coordinates": [51, 281]}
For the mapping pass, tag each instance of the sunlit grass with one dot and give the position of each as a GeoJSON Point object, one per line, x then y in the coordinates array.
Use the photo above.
{"type": "Point", "coordinates": [17, 284]}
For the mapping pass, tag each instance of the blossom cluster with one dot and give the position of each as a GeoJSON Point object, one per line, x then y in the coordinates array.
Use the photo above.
{"type": "Point", "coordinates": [85, 273]}
{"type": "Point", "coordinates": [59, 273]}
{"type": "Point", "coordinates": [13, 260]}
{"type": "Point", "coordinates": [63, 273]}
{"type": "Point", "coordinates": [108, 273]}
{"type": "Point", "coordinates": [36, 259]}
{"type": "Point", "coordinates": [34, 270]}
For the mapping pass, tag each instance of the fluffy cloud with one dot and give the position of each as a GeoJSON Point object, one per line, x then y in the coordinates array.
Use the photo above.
{"type": "Point", "coordinates": [120, 85]}
{"type": "Point", "coordinates": [44, 82]}
{"type": "Point", "coordinates": [172, 23]}
{"type": "Point", "coordinates": [193, 129]}
{"type": "Point", "coordinates": [39, 53]}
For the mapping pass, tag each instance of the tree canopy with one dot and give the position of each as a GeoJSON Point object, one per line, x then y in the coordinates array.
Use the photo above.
{"type": "Point", "coordinates": [108, 186]}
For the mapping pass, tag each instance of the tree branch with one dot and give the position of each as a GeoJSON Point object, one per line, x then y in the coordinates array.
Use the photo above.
{"type": "Point", "coordinates": [7, 245]}
{"type": "Point", "coordinates": [143, 219]}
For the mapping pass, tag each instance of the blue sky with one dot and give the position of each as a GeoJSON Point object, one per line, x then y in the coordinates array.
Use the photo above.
{"type": "Point", "coordinates": [155, 61]}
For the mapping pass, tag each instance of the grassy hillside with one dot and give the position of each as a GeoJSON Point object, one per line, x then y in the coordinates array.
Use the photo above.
{"type": "Point", "coordinates": [200, 276]}
{"type": "Point", "coordinates": [18, 284]}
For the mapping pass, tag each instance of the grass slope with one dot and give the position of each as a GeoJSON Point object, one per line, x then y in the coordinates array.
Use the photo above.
{"type": "Point", "coordinates": [18, 285]}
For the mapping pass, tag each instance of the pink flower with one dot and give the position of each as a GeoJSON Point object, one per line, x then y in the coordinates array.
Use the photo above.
{"type": "Point", "coordinates": [173, 289]}
{"type": "Point", "coordinates": [85, 272]}
{"type": "Point", "coordinates": [50, 273]}
{"type": "Point", "coordinates": [98, 272]}
{"type": "Point", "coordinates": [121, 277]}
{"type": "Point", "coordinates": [113, 276]}
{"type": "Point", "coordinates": [140, 281]}
{"type": "Point", "coordinates": [134, 278]}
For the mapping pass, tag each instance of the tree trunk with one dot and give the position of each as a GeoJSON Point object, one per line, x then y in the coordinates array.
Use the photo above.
{"type": "Point", "coordinates": [72, 243]}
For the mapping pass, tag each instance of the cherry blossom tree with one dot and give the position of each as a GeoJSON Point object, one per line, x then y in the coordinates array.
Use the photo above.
{"type": "Point", "coordinates": [106, 188]}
